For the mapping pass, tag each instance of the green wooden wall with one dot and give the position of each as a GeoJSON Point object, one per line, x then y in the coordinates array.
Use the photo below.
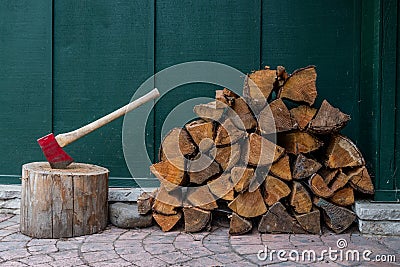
{"type": "Point", "coordinates": [66, 63]}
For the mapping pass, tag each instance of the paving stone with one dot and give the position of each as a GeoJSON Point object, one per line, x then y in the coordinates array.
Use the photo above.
{"type": "Point", "coordinates": [16, 237]}
{"type": "Point", "coordinates": [198, 252]}
{"type": "Point", "coordinates": [69, 262]}
{"type": "Point", "coordinates": [247, 249]}
{"type": "Point", "coordinates": [200, 262]}
{"type": "Point", "coordinates": [90, 247]}
{"type": "Point", "coordinates": [14, 254]}
{"type": "Point", "coordinates": [36, 259]}
{"type": "Point", "coordinates": [126, 216]}
{"type": "Point", "coordinates": [68, 245]}
{"type": "Point", "coordinates": [241, 263]}
{"type": "Point", "coordinates": [133, 235]}
{"type": "Point", "coordinates": [99, 256]}
{"type": "Point", "coordinates": [155, 249]}
{"type": "Point", "coordinates": [137, 248]}
{"type": "Point", "coordinates": [152, 261]}
{"type": "Point", "coordinates": [41, 242]}
{"type": "Point", "coordinates": [11, 245]}
{"type": "Point", "coordinates": [218, 248]}
{"type": "Point", "coordinates": [226, 258]}
{"type": "Point", "coordinates": [42, 249]}
{"type": "Point", "coordinates": [173, 257]}
{"type": "Point", "coordinates": [112, 263]}
{"type": "Point", "coordinates": [187, 244]}
{"type": "Point", "coordinates": [157, 239]}
{"type": "Point", "coordinates": [12, 264]}
{"type": "Point", "coordinates": [245, 239]}
{"type": "Point", "coordinates": [68, 254]}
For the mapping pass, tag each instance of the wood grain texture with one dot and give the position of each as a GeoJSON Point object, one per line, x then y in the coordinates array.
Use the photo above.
{"type": "Point", "coordinates": [63, 203]}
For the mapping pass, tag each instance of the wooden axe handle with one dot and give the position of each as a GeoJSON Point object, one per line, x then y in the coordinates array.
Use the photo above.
{"type": "Point", "coordinates": [67, 138]}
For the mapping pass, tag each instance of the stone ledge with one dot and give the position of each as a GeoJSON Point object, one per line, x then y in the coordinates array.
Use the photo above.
{"type": "Point", "coordinates": [10, 192]}
{"type": "Point", "coordinates": [374, 211]}
{"type": "Point", "coordinates": [379, 227]}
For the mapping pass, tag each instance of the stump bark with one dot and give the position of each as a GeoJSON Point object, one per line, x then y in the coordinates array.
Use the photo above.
{"type": "Point", "coordinates": [58, 203]}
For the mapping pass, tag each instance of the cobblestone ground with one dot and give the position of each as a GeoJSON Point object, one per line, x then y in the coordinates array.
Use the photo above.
{"type": "Point", "coordinates": [152, 247]}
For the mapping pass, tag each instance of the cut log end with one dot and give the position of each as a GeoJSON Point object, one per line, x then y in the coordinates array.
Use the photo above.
{"type": "Point", "coordinates": [239, 225]}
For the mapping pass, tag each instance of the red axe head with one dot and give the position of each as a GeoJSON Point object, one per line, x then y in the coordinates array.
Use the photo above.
{"type": "Point", "coordinates": [54, 153]}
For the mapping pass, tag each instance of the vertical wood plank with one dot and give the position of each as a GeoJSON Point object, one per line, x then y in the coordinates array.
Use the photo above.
{"type": "Point", "coordinates": [326, 34]}
{"type": "Point", "coordinates": [103, 51]}
{"type": "Point", "coordinates": [25, 82]}
{"type": "Point", "coordinates": [222, 31]}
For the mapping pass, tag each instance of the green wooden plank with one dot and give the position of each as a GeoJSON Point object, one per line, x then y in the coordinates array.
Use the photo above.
{"type": "Point", "coordinates": [103, 51]}
{"type": "Point", "coordinates": [370, 85]}
{"type": "Point", "coordinates": [25, 82]}
{"type": "Point", "coordinates": [322, 33]}
{"type": "Point", "coordinates": [388, 96]}
{"type": "Point", "coordinates": [397, 144]}
{"type": "Point", "coordinates": [222, 31]}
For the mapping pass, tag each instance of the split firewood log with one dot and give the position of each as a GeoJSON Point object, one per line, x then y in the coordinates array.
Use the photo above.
{"type": "Point", "coordinates": [259, 84]}
{"type": "Point", "coordinates": [248, 204]}
{"type": "Point", "coordinates": [275, 118]}
{"type": "Point", "coordinates": [171, 173]}
{"type": "Point", "coordinates": [196, 219]}
{"type": "Point", "coordinates": [342, 152]}
{"type": "Point", "coordinates": [300, 199]}
{"type": "Point", "coordinates": [301, 86]}
{"type": "Point", "coordinates": [202, 168]}
{"type": "Point", "coordinates": [319, 187]}
{"type": "Point", "coordinates": [260, 151]}
{"type": "Point", "coordinates": [241, 178]}
{"type": "Point", "coordinates": [337, 218]}
{"type": "Point", "coordinates": [343, 197]}
{"type": "Point", "coordinates": [299, 142]}
{"type": "Point", "coordinates": [278, 220]}
{"type": "Point", "coordinates": [311, 221]}
{"type": "Point", "coordinates": [227, 156]}
{"type": "Point", "coordinates": [225, 98]}
{"type": "Point", "coordinates": [304, 167]}
{"type": "Point", "coordinates": [145, 202]}
{"type": "Point", "coordinates": [328, 120]}
{"type": "Point", "coordinates": [177, 143]}
{"type": "Point", "coordinates": [361, 181]}
{"type": "Point", "coordinates": [239, 225]}
{"type": "Point", "coordinates": [210, 111]}
{"type": "Point", "coordinates": [281, 77]}
{"type": "Point", "coordinates": [167, 222]}
{"type": "Point", "coordinates": [328, 174]}
{"type": "Point", "coordinates": [281, 168]}
{"type": "Point", "coordinates": [340, 181]}
{"type": "Point", "coordinates": [275, 190]}
{"type": "Point", "coordinates": [166, 203]}
{"type": "Point", "coordinates": [200, 197]}
{"type": "Point", "coordinates": [302, 115]}
{"type": "Point", "coordinates": [228, 133]}
{"type": "Point", "coordinates": [202, 133]}
{"type": "Point", "coordinates": [222, 187]}
{"type": "Point", "coordinates": [241, 115]}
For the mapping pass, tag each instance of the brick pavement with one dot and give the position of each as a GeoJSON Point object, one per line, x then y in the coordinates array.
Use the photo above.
{"type": "Point", "coordinates": [151, 247]}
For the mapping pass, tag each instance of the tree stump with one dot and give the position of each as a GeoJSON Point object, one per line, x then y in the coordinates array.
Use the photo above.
{"type": "Point", "coordinates": [67, 202]}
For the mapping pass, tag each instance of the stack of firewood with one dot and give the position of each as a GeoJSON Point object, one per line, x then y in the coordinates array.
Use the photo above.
{"type": "Point", "coordinates": [269, 158]}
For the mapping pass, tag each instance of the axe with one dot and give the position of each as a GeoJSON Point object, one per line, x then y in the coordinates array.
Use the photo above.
{"type": "Point", "coordinates": [52, 145]}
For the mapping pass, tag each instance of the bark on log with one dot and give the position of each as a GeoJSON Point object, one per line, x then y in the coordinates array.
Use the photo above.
{"type": "Point", "coordinates": [337, 218]}
{"type": "Point", "coordinates": [241, 115]}
{"type": "Point", "coordinates": [304, 167]}
{"type": "Point", "coordinates": [210, 111]}
{"type": "Point", "coordinates": [277, 220]}
{"type": "Point", "coordinates": [58, 203]}
{"type": "Point", "coordinates": [145, 202]}
{"type": "Point", "coordinates": [241, 178]}
{"type": "Point", "coordinates": [328, 120]}
{"type": "Point", "coordinates": [340, 181]}
{"type": "Point", "coordinates": [311, 221]}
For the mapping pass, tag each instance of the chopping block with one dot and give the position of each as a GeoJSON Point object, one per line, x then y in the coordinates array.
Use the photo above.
{"type": "Point", "coordinates": [58, 203]}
